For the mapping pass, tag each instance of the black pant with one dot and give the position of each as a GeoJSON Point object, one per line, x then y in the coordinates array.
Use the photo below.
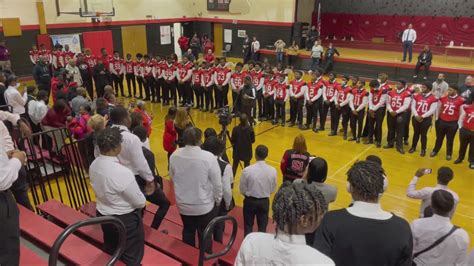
{"type": "Point", "coordinates": [407, 46]}
{"type": "Point", "coordinates": [170, 89]}
{"type": "Point", "coordinates": [158, 198]}
{"type": "Point", "coordinates": [157, 88]}
{"type": "Point", "coordinates": [296, 110]}
{"type": "Point", "coordinates": [199, 92]}
{"type": "Point", "coordinates": [141, 83]}
{"type": "Point", "coordinates": [420, 130]}
{"type": "Point", "coordinates": [255, 208]}
{"type": "Point", "coordinates": [312, 112]}
{"type": "Point", "coordinates": [185, 92]}
{"type": "Point", "coordinates": [149, 87]}
{"type": "Point", "coordinates": [260, 103]}
{"type": "Point", "coordinates": [130, 77]}
{"type": "Point", "coordinates": [406, 135]}
{"type": "Point", "coordinates": [220, 227]}
{"type": "Point", "coordinates": [268, 107]}
{"type": "Point", "coordinates": [9, 230]}
{"type": "Point", "coordinates": [375, 125]}
{"type": "Point", "coordinates": [280, 106]}
{"type": "Point", "coordinates": [235, 164]}
{"type": "Point", "coordinates": [357, 121]}
{"type": "Point", "coordinates": [329, 65]}
{"type": "Point", "coordinates": [135, 244]}
{"type": "Point", "coordinates": [448, 129]}
{"type": "Point", "coordinates": [221, 96]}
{"type": "Point", "coordinates": [19, 189]}
{"type": "Point", "coordinates": [208, 97]}
{"type": "Point", "coordinates": [466, 138]}
{"type": "Point", "coordinates": [118, 82]}
{"type": "Point", "coordinates": [196, 224]}
{"type": "Point", "coordinates": [331, 108]}
{"type": "Point", "coordinates": [235, 102]}
{"type": "Point", "coordinates": [345, 112]}
{"type": "Point", "coordinates": [426, 68]}
{"type": "Point", "coordinates": [87, 83]}
{"type": "Point", "coordinates": [396, 128]}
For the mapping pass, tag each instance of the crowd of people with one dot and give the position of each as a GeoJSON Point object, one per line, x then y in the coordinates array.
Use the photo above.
{"type": "Point", "coordinates": [87, 94]}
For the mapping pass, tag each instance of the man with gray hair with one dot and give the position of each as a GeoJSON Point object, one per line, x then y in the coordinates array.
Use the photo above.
{"type": "Point", "coordinates": [197, 181]}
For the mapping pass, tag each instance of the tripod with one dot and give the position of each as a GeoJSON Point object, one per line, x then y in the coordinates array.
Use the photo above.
{"type": "Point", "coordinates": [188, 111]}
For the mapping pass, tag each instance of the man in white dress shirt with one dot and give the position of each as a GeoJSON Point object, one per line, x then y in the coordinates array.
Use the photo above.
{"type": "Point", "coordinates": [408, 39]}
{"type": "Point", "coordinates": [453, 250]}
{"type": "Point", "coordinates": [257, 182]}
{"type": "Point", "coordinates": [255, 49]}
{"type": "Point", "coordinates": [197, 181]}
{"type": "Point", "coordinates": [445, 175]}
{"type": "Point", "coordinates": [117, 193]}
{"type": "Point", "coordinates": [13, 96]}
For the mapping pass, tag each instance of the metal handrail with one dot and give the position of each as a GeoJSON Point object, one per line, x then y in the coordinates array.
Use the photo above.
{"type": "Point", "coordinates": [53, 256]}
{"type": "Point", "coordinates": [208, 235]}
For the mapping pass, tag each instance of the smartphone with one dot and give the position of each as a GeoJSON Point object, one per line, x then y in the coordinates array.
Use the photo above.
{"type": "Point", "coordinates": [428, 171]}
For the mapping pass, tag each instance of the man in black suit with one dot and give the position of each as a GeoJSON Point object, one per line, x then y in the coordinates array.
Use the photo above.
{"type": "Point", "coordinates": [424, 60]}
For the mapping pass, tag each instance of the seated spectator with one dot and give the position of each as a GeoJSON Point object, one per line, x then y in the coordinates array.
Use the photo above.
{"type": "Point", "coordinates": [294, 161]}
{"type": "Point", "coordinates": [427, 233]}
{"type": "Point", "coordinates": [297, 210]}
{"type": "Point", "coordinates": [365, 234]}
{"type": "Point", "coordinates": [158, 197]}
{"type": "Point", "coordinates": [137, 120]}
{"type": "Point", "coordinates": [209, 132]}
{"type": "Point", "coordinates": [445, 175]}
{"type": "Point", "coordinates": [257, 182]}
{"type": "Point", "coordinates": [170, 135]}
{"type": "Point", "coordinates": [424, 60]}
{"type": "Point", "coordinates": [37, 110]}
{"type": "Point", "coordinates": [111, 100]}
{"type": "Point", "coordinates": [118, 194]}
{"type": "Point", "coordinates": [14, 98]}
{"type": "Point", "coordinates": [78, 125]}
{"type": "Point", "coordinates": [56, 117]}
{"type": "Point", "coordinates": [146, 118]}
{"type": "Point", "coordinates": [80, 100]}
{"type": "Point", "coordinates": [209, 57]}
{"type": "Point", "coordinates": [216, 147]}
{"type": "Point", "coordinates": [102, 107]}
{"type": "Point", "coordinates": [57, 82]}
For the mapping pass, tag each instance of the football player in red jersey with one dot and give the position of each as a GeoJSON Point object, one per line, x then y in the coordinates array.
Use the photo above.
{"type": "Point", "coordinates": [138, 71]}
{"type": "Point", "coordinates": [170, 74]}
{"type": "Point", "coordinates": [117, 70]}
{"type": "Point", "coordinates": [298, 90]}
{"type": "Point", "coordinates": [423, 107]}
{"type": "Point", "coordinates": [34, 54]}
{"type": "Point", "coordinates": [66, 56]}
{"type": "Point", "coordinates": [314, 100]}
{"type": "Point", "coordinates": [341, 102]}
{"type": "Point", "coordinates": [257, 81]}
{"type": "Point", "coordinates": [358, 101]}
{"type": "Point", "coordinates": [221, 79]}
{"type": "Point", "coordinates": [130, 75]}
{"type": "Point", "coordinates": [398, 103]}
{"type": "Point", "coordinates": [281, 95]}
{"type": "Point", "coordinates": [237, 83]}
{"type": "Point", "coordinates": [466, 133]}
{"type": "Point", "coordinates": [449, 108]}
{"type": "Point", "coordinates": [185, 74]}
{"type": "Point", "coordinates": [377, 101]}
{"type": "Point", "coordinates": [148, 77]}
{"type": "Point", "coordinates": [268, 99]}
{"type": "Point", "coordinates": [208, 84]}
{"type": "Point", "coordinates": [45, 53]}
{"type": "Point", "coordinates": [197, 85]}
{"type": "Point", "coordinates": [328, 103]}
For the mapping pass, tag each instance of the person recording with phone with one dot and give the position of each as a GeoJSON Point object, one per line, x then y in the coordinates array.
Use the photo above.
{"type": "Point", "coordinates": [445, 175]}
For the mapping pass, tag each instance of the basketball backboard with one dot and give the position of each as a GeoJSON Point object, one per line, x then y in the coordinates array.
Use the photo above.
{"type": "Point", "coordinates": [86, 8]}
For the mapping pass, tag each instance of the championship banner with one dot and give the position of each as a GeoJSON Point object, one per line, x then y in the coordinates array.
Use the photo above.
{"type": "Point", "coordinates": [73, 40]}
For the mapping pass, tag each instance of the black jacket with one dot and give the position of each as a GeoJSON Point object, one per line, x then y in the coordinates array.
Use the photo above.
{"type": "Point", "coordinates": [425, 57]}
{"type": "Point", "coordinates": [242, 139]}
{"type": "Point", "coordinates": [42, 74]}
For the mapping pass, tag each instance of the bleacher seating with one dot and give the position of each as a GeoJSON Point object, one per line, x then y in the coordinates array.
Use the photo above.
{"type": "Point", "coordinates": [28, 257]}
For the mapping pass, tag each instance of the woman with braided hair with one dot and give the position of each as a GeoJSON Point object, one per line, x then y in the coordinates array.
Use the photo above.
{"type": "Point", "coordinates": [297, 209]}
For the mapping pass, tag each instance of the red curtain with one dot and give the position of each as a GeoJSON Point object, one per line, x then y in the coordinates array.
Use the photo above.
{"type": "Point", "coordinates": [429, 29]}
{"type": "Point", "coordinates": [95, 40]}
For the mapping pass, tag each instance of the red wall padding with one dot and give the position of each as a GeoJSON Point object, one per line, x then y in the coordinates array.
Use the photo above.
{"type": "Point", "coordinates": [95, 40]}
{"type": "Point", "coordinates": [365, 27]}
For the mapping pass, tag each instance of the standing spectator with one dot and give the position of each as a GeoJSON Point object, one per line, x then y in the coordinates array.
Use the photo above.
{"type": "Point", "coordinates": [445, 175]}
{"type": "Point", "coordinates": [311, 37]}
{"type": "Point", "coordinates": [329, 57]}
{"type": "Point", "coordinates": [293, 53]}
{"type": "Point", "coordinates": [246, 49]}
{"type": "Point", "coordinates": [316, 52]}
{"type": "Point", "coordinates": [466, 90]}
{"type": "Point", "coordinates": [42, 74]}
{"type": "Point", "coordinates": [181, 123]}
{"type": "Point", "coordinates": [117, 70]}
{"type": "Point", "coordinates": [255, 49]}
{"type": "Point", "coordinates": [195, 46]}
{"type": "Point", "coordinates": [280, 50]}
{"type": "Point", "coordinates": [257, 182]}
{"type": "Point", "coordinates": [373, 236]}
{"type": "Point", "coordinates": [101, 77]}
{"type": "Point", "coordinates": [436, 241]}
{"type": "Point", "coordinates": [408, 39]}
{"type": "Point", "coordinates": [424, 60]}
{"type": "Point", "coordinates": [248, 96]}
{"type": "Point", "coordinates": [197, 185]}
{"type": "Point", "coordinates": [86, 74]}
{"type": "Point", "coordinates": [118, 195]}
{"type": "Point", "coordinates": [5, 63]}
{"type": "Point", "coordinates": [14, 98]}
{"type": "Point", "coordinates": [183, 43]}
{"type": "Point", "coordinates": [294, 161]}
{"type": "Point", "coordinates": [147, 119]}
{"type": "Point", "coordinates": [37, 110]}
{"type": "Point", "coordinates": [74, 72]}
{"type": "Point", "coordinates": [440, 87]}
{"type": "Point", "coordinates": [209, 45]}
{"type": "Point", "coordinates": [242, 139]}
{"type": "Point", "coordinates": [466, 133]}
{"type": "Point", "coordinates": [297, 210]}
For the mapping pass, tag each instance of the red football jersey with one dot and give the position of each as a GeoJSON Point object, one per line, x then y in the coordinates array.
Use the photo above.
{"type": "Point", "coordinates": [468, 122]}
{"type": "Point", "coordinates": [281, 90]}
{"type": "Point", "coordinates": [314, 87]}
{"type": "Point", "coordinates": [342, 92]}
{"type": "Point", "coordinates": [423, 103]}
{"type": "Point", "coordinates": [221, 74]}
{"type": "Point", "coordinates": [268, 86]}
{"type": "Point", "coordinates": [359, 95]}
{"type": "Point", "coordinates": [238, 79]}
{"type": "Point", "coordinates": [56, 58]}
{"type": "Point", "coordinates": [67, 55]}
{"type": "Point", "coordinates": [256, 77]}
{"type": "Point", "coordinates": [197, 76]}
{"type": "Point", "coordinates": [117, 64]}
{"type": "Point", "coordinates": [450, 108]}
{"type": "Point", "coordinates": [330, 89]}
{"type": "Point", "coordinates": [129, 67]}
{"type": "Point", "coordinates": [207, 75]}
{"type": "Point", "coordinates": [377, 95]}
{"type": "Point", "coordinates": [91, 61]}
{"type": "Point", "coordinates": [397, 99]}
{"type": "Point", "coordinates": [46, 54]}
{"type": "Point", "coordinates": [296, 86]}
{"type": "Point", "coordinates": [170, 70]}
{"type": "Point", "coordinates": [148, 69]}
{"type": "Point", "coordinates": [35, 55]}
{"type": "Point", "coordinates": [183, 69]}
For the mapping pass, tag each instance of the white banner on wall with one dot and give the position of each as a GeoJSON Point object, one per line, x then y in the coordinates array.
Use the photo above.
{"type": "Point", "coordinates": [73, 40]}
{"type": "Point", "coordinates": [227, 36]}
{"type": "Point", "coordinates": [165, 35]}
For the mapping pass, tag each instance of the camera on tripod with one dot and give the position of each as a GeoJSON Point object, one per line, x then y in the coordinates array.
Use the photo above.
{"type": "Point", "coordinates": [225, 116]}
